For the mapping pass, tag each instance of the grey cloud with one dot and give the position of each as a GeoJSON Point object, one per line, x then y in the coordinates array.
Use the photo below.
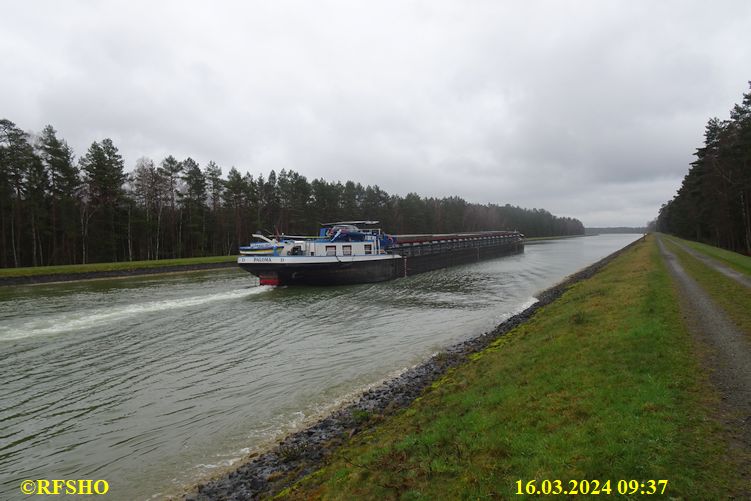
{"type": "Point", "coordinates": [588, 109]}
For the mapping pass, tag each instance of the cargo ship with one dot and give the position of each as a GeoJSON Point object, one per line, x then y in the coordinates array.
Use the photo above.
{"type": "Point", "coordinates": [353, 252]}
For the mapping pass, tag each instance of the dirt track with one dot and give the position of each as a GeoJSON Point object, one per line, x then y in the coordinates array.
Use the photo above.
{"type": "Point", "coordinates": [716, 265]}
{"type": "Point", "coordinates": [729, 354]}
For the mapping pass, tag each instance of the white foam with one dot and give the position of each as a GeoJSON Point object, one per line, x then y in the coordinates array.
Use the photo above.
{"type": "Point", "coordinates": [78, 320]}
{"type": "Point", "coordinates": [520, 308]}
{"type": "Point", "coordinates": [526, 304]}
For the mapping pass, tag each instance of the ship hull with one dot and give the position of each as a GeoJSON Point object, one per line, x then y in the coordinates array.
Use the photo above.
{"type": "Point", "coordinates": [302, 271]}
{"type": "Point", "coordinates": [424, 262]}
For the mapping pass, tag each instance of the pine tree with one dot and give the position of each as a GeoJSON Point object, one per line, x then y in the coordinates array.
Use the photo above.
{"type": "Point", "coordinates": [194, 202]}
{"type": "Point", "coordinates": [235, 202]}
{"type": "Point", "coordinates": [57, 158]}
{"type": "Point", "coordinates": [16, 160]}
{"type": "Point", "coordinates": [103, 173]}
{"type": "Point", "coordinates": [215, 222]}
{"type": "Point", "coordinates": [170, 169]}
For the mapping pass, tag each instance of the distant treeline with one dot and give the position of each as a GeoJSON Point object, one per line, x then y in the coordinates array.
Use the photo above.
{"type": "Point", "coordinates": [56, 210]}
{"type": "Point", "coordinates": [615, 229]}
{"type": "Point", "coordinates": [713, 204]}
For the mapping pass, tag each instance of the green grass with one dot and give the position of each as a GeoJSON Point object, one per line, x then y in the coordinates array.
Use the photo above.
{"type": "Point", "coordinates": [94, 267]}
{"type": "Point", "coordinates": [738, 262]}
{"type": "Point", "coordinates": [602, 384]}
{"type": "Point", "coordinates": [732, 297]}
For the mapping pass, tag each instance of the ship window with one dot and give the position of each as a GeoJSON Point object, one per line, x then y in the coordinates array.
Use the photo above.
{"type": "Point", "coordinates": [368, 249]}
{"type": "Point", "coordinates": [347, 250]}
{"type": "Point", "coordinates": [331, 250]}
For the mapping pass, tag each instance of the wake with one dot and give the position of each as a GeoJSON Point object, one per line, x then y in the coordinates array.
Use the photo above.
{"type": "Point", "coordinates": [86, 319]}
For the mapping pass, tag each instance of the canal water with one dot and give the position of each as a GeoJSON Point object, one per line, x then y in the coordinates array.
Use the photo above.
{"type": "Point", "coordinates": [153, 383]}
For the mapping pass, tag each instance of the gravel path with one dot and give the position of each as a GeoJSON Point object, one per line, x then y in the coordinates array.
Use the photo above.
{"type": "Point", "coordinates": [739, 277]}
{"type": "Point", "coordinates": [729, 354]}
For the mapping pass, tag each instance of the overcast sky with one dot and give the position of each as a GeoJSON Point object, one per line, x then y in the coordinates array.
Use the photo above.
{"type": "Point", "coordinates": [590, 109]}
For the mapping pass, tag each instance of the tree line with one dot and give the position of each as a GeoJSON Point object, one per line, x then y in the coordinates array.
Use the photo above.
{"type": "Point", "coordinates": [713, 204]}
{"type": "Point", "coordinates": [55, 209]}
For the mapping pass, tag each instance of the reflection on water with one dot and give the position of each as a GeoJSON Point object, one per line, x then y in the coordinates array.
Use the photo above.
{"type": "Point", "coordinates": [153, 382]}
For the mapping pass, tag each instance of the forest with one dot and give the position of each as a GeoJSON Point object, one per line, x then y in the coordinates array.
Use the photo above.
{"type": "Point", "coordinates": [56, 209]}
{"type": "Point", "coordinates": [713, 204]}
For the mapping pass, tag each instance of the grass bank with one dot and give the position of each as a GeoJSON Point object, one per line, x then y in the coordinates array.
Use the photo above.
{"type": "Point", "coordinates": [600, 385]}
{"type": "Point", "coordinates": [739, 262]}
{"type": "Point", "coordinates": [729, 295]}
{"type": "Point", "coordinates": [74, 269]}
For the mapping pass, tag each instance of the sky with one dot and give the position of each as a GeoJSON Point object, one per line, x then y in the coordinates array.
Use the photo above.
{"type": "Point", "coordinates": [589, 109]}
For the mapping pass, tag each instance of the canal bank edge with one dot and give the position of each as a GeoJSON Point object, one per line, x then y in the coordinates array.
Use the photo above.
{"type": "Point", "coordinates": [304, 451]}
{"type": "Point", "coordinates": [124, 273]}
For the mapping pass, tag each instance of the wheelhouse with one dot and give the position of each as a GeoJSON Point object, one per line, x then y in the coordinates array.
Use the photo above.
{"type": "Point", "coordinates": [341, 239]}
